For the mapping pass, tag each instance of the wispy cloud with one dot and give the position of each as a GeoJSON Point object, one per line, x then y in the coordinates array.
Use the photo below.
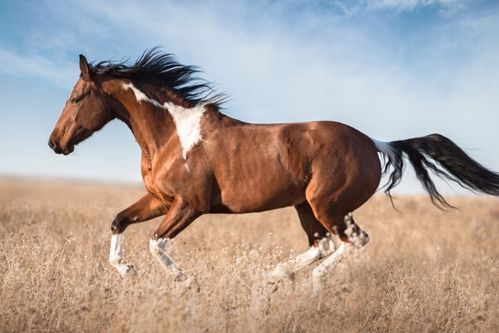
{"type": "Point", "coordinates": [29, 65]}
{"type": "Point", "coordinates": [406, 5]}
{"type": "Point", "coordinates": [361, 7]}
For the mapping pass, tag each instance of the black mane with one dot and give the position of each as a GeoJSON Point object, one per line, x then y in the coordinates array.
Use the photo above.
{"type": "Point", "coordinates": [165, 70]}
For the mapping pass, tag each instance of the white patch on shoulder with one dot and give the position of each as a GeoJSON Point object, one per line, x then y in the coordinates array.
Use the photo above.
{"type": "Point", "coordinates": [188, 124]}
{"type": "Point", "coordinates": [187, 120]}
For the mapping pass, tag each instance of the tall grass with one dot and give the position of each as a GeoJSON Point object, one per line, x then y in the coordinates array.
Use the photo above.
{"type": "Point", "coordinates": [424, 270]}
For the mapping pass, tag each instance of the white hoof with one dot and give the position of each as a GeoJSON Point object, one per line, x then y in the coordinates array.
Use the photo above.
{"type": "Point", "coordinates": [123, 269]}
{"type": "Point", "coordinates": [129, 270]}
{"type": "Point", "coordinates": [180, 287]}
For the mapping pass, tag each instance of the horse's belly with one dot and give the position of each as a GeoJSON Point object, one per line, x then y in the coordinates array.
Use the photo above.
{"type": "Point", "coordinates": [250, 197]}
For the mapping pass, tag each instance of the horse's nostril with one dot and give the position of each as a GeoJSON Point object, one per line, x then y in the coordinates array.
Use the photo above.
{"type": "Point", "coordinates": [51, 144]}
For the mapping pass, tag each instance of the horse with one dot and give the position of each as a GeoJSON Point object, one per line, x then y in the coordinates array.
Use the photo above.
{"type": "Point", "coordinates": [197, 160]}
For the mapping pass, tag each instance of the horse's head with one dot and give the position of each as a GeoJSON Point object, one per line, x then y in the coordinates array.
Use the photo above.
{"type": "Point", "coordinates": [86, 111]}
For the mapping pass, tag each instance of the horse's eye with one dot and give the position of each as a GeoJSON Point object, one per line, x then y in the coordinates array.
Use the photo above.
{"type": "Point", "coordinates": [77, 100]}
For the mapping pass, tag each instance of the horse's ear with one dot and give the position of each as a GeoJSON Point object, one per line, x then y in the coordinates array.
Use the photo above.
{"type": "Point", "coordinates": [84, 68]}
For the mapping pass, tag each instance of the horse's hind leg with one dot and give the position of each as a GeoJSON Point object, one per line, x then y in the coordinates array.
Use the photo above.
{"type": "Point", "coordinates": [320, 242]}
{"type": "Point", "coordinates": [313, 228]}
{"type": "Point", "coordinates": [326, 266]}
{"type": "Point", "coordinates": [344, 226]}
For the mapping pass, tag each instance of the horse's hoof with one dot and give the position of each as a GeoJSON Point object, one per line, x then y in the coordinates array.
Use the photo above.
{"type": "Point", "coordinates": [130, 270]}
{"type": "Point", "coordinates": [187, 283]}
{"type": "Point", "coordinates": [273, 286]}
{"type": "Point", "coordinates": [127, 270]}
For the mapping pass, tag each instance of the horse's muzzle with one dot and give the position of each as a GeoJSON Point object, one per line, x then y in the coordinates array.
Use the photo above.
{"type": "Point", "coordinates": [58, 150]}
{"type": "Point", "coordinates": [68, 150]}
{"type": "Point", "coordinates": [52, 144]}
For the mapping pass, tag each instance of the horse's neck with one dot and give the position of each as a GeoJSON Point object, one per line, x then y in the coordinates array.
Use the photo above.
{"type": "Point", "coordinates": [151, 127]}
{"type": "Point", "coordinates": [154, 123]}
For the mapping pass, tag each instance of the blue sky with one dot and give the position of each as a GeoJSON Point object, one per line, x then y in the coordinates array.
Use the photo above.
{"type": "Point", "coordinates": [394, 69]}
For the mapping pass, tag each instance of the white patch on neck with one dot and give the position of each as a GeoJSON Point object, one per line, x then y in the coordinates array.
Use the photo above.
{"type": "Point", "coordinates": [187, 120]}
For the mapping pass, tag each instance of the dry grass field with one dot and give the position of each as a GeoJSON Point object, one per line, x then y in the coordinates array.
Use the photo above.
{"type": "Point", "coordinates": [423, 271]}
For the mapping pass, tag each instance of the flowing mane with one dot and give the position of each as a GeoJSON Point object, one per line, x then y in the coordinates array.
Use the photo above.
{"type": "Point", "coordinates": [163, 69]}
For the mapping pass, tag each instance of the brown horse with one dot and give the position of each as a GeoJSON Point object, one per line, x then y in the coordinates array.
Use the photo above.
{"type": "Point", "coordinates": [196, 160]}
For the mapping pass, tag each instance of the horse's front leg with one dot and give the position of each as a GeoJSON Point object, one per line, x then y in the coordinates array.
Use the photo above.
{"type": "Point", "coordinates": [144, 209]}
{"type": "Point", "coordinates": [180, 215]}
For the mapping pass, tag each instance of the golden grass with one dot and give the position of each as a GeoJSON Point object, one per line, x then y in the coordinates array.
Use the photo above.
{"type": "Point", "coordinates": [423, 271]}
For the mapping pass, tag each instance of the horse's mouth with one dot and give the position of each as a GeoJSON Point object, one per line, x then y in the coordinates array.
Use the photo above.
{"type": "Point", "coordinates": [68, 150]}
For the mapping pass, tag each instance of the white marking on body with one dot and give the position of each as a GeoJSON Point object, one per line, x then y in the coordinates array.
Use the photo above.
{"type": "Point", "coordinates": [159, 250]}
{"type": "Point", "coordinates": [187, 120]}
{"type": "Point", "coordinates": [188, 123]}
{"type": "Point", "coordinates": [290, 266]}
{"type": "Point", "coordinates": [117, 254]}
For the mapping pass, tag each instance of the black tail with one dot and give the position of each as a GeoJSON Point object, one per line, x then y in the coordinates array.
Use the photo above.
{"type": "Point", "coordinates": [452, 163]}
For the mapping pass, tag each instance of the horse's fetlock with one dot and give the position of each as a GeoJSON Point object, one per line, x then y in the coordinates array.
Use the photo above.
{"type": "Point", "coordinates": [120, 222]}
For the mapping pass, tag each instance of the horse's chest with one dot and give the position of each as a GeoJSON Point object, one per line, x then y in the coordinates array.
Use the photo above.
{"type": "Point", "coordinates": [148, 176]}
{"type": "Point", "coordinates": [164, 177]}
{"type": "Point", "coordinates": [149, 183]}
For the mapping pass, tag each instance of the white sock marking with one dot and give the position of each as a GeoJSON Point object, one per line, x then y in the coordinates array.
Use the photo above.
{"type": "Point", "coordinates": [187, 120]}
{"type": "Point", "coordinates": [326, 266]}
{"type": "Point", "coordinates": [159, 249]}
{"type": "Point", "coordinates": [312, 254]}
{"type": "Point", "coordinates": [116, 254]}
